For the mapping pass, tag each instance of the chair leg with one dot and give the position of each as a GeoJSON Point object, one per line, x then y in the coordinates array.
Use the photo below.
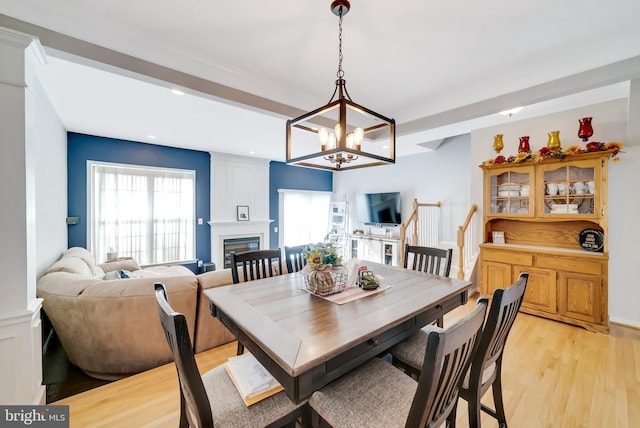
{"type": "Point", "coordinates": [496, 387]}
{"type": "Point", "coordinates": [473, 403]}
{"type": "Point", "coordinates": [240, 349]}
{"type": "Point", "coordinates": [184, 422]}
{"type": "Point", "coordinates": [305, 416]}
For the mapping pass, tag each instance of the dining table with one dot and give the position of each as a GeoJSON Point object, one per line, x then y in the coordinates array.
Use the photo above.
{"type": "Point", "coordinates": [306, 341]}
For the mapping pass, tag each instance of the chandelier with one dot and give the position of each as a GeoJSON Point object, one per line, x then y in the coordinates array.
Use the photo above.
{"type": "Point", "coordinates": [348, 135]}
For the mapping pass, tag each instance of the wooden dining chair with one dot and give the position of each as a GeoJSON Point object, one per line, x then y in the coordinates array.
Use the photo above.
{"type": "Point", "coordinates": [294, 257]}
{"type": "Point", "coordinates": [431, 260]}
{"type": "Point", "coordinates": [428, 259]}
{"type": "Point", "coordinates": [486, 367]}
{"type": "Point", "coordinates": [256, 264]}
{"type": "Point", "coordinates": [212, 399]}
{"type": "Point", "coordinates": [377, 394]}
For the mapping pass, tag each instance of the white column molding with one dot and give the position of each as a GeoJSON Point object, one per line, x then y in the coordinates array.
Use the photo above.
{"type": "Point", "coordinates": [238, 180]}
{"type": "Point", "coordinates": [20, 329]}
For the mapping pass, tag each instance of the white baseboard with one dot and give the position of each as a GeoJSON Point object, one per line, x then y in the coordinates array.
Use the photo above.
{"type": "Point", "coordinates": [625, 322]}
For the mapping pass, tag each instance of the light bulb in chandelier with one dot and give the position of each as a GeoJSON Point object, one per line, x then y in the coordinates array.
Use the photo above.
{"type": "Point", "coordinates": [331, 143]}
{"type": "Point", "coordinates": [350, 141]}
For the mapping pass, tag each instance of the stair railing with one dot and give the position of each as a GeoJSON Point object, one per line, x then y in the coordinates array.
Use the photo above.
{"type": "Point", "coordinates": [465, 238]}
{"type": "Point", "coordinates": [423, 226]}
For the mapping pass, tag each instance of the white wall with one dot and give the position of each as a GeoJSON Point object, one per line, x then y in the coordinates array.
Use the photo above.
{"type": "Point", "coordinates": [624, 236]}
{"type": "Point", "coordinates": [51, 184]}
{"type": "Point", "coordinates": [442, 175]}
{"type": "Point", "coordinates": [609, 124]}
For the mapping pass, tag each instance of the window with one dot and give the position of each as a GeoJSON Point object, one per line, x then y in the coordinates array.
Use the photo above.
{"type": "Point", "coordinates": [141, 212]}
{"type": "Point", "coordinates": [303, 216]}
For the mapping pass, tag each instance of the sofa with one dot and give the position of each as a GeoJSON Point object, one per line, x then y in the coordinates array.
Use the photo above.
{"type": "Point", "coordinates": [106, 315]}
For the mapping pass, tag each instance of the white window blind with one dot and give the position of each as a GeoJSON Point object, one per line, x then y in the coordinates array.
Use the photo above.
{"type": "Point", "coordinates": [304, 216]}
{"type": "Point", "coordinates": [141, 212]}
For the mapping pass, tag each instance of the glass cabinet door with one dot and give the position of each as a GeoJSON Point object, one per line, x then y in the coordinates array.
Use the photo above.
{"type": "Point", "coordinates": [510, 192]}
{"type": "Point", "coordinates": [570, 190]}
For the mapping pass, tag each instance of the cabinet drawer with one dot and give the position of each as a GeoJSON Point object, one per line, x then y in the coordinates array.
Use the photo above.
{"type": "Point", "coordinates": [508, 257]}
{"type": "Point", "coordinates": [569, 264]}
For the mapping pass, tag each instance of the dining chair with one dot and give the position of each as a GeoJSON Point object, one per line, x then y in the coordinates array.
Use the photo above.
{"type": "Point", "coordinates": [428, 259]}
{"type": "Point", "coordinates": [212, 399]}
{"type": "Point", "coordinates": [294, 257]}
{"type": "Point", "coordinates": [431, 260]}
{"type": "Point", "coordinates": [486, 367]}
{"type": "Point", "coordinates": [256, 264]}
{"type": "Point", "coordinates": [378, 394]}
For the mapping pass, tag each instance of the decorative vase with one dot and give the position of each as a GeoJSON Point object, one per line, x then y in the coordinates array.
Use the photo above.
{"type": "Point", "coordinates": [498, 144]}
{"type": "Point", "coordinates": [554, 140]}
{"type": "Point", "coordinates": [326, 280]}
{"type": "Point", "coordinates": [586, 130]}
{"type": "Point", "coordinates": [524, 147]}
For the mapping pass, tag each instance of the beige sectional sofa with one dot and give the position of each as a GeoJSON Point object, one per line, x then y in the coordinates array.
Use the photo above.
{"type": "Point", "coordinates": [110, 328]}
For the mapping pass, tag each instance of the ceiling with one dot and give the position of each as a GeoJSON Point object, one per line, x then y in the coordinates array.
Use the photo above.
{"type": "Point", "coordinates": [440, 69]}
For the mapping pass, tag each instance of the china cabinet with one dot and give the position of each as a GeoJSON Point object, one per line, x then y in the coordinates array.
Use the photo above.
{"type": "Point", "coordinates": [543, 210]}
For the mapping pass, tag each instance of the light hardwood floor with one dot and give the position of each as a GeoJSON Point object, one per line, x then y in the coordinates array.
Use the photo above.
{"type": "Point", "coordinates": [554, 375]}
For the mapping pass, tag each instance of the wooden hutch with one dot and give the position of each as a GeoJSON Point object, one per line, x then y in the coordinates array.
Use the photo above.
{"type": "Point", "coordinates": [542, 208]}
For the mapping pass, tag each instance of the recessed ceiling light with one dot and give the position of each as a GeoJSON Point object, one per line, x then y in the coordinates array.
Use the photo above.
{"type": "Point", "coordinates": [176, 91]}
{"type": "Point", "coordinates": [252, 152]}
{"type": "Point", "coordinates": [151, 136]}
{"type": "Point", "coordinates": [511, 111]}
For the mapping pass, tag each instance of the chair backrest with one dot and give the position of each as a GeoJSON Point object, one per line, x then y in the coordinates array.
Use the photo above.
{"type": "Point", "coordinates": [295, 258]}
{"type": "Point", "coordinates": [255, 264]}
{"type": "Point", "coordinates": [194, 403]}
{"type": "Point", "coordinates": [447, 359]}
{"type": "Point", "coordinates": [502, 314]}
{"type": "Point", "coordinates": [428, 259]}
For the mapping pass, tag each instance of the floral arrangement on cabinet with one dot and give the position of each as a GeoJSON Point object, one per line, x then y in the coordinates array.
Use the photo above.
{"type": "Point", "coordinates": [559, 153]}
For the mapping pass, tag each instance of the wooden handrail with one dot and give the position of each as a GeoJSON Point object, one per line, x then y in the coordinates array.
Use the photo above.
{"type": "Point", "coordinates": [461, 232]}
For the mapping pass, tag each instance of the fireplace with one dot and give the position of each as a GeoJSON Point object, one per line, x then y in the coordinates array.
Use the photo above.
{"type": "Point", "coordinates": [238, 245]}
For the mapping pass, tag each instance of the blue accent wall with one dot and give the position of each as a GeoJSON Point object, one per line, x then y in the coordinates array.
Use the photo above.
{"type": "Point", "coordinates": [283, 176]}
{"type": "Point", "coordinates": [81, 148]}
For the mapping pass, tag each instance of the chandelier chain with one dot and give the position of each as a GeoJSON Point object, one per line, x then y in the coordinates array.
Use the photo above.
{"type": "Point", "coordinates": [340, 72]}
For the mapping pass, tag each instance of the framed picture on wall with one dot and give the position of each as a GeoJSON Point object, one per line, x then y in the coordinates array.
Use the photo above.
{"type": "Point", "coordinates": [243, 212]}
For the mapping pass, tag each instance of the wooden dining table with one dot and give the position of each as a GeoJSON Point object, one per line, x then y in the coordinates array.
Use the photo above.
{"type": "Point", "coordinates": [306, 341]}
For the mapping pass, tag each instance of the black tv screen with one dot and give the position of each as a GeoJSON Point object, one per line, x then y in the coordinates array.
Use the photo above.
{"type": "Point", "coordinates": [379, 208]}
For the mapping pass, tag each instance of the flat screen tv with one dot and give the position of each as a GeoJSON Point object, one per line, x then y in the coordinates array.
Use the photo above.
{"type": "Point", "coordinates": [379, 208]}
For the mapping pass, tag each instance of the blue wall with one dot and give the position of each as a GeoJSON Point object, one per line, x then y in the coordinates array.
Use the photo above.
{"type": "Point", "coordinates": [283, 176]}
{"type": "Point", "coordinates": [81, 147]}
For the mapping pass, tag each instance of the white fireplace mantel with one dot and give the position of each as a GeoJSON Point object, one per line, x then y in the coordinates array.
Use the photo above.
{"type": "Point", "coordinates": [221, 230]}
{"type": "Point", "coordinates": [231, 223]}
